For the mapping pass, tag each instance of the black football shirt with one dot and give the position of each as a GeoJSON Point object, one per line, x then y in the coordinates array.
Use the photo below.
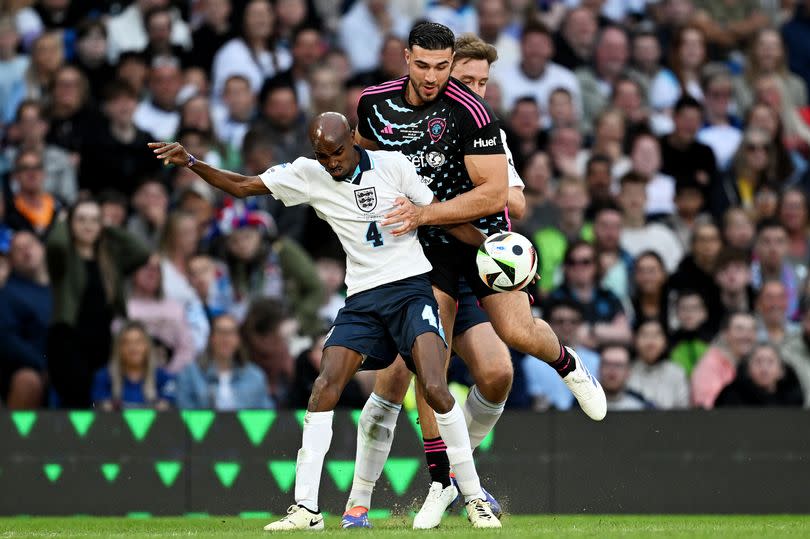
{"type": "Point", "coordinates": [435, 137]}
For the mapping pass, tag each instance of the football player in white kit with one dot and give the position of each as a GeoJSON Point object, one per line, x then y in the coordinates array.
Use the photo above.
{"type": "Point", "coordinates": [474, 340]}
{"type": "Point", "coordinates": [390, 308]}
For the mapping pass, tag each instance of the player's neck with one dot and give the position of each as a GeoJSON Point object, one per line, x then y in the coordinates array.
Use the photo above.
{"type": "Point", "coordinates": [411, 96]}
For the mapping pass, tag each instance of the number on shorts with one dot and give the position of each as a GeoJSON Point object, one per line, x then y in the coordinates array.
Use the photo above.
{"type": "Point", "coordinates": [429, 317]}
{"type": "Point", "coordinates": [373, 235]}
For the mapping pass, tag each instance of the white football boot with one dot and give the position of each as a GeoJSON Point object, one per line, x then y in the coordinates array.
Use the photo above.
{"type": "Point", "coordinates": [480, 514]}
{"type": "Point", "coordinates": [436, 503]}
{"type": "Point", "coordinates": [586, 389]}
{"type": "Point", "coordinates": [298, 518]}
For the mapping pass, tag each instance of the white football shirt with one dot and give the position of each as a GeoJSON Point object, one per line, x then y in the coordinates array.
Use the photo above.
{"type": "Point", "coordinates": [514, 178]}
{"type": "Point", "coordinates": [355, 209]}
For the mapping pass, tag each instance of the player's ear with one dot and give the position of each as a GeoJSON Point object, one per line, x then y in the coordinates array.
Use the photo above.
{"type": "Point", "coordinates": [407, 55]}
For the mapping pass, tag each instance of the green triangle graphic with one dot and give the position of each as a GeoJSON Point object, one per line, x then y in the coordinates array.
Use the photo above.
{"type": "Point", "coordinates": [299, 416]}
{"type": "Point", "coordinates": [110, 471]}
{"type": "Point", "coordinates": [283, 472]}
{"type": "Point", "coordinates": [52, 471]}
{"type": "Point", "coordinates": [256, 424]}
{"type": "Point", "coordinates": [355, 414]}
{"type": "Point", "coordinates": [227, 472]}
{"type": "Point", "coordinates": [400, 473]}
{"type": "Point", "coordinates": [413, 417]}
{"type": "Point", "coordinates": [82, 421]}
{"type": "Point", "coordinates": [486, 443]}
{"type": "Point", "coordinates": [198, 422]}
{"type": "Point", "coordinates": [342, 472]}
{"type": "Point", "coordinates": [24, 421]}
{"type": "Point", "coordinates": [168, 470]}
{"type": "Point", "coordinates": [139, 421]}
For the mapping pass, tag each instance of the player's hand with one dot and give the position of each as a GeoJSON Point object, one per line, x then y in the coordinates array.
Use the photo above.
{"type": "Point", "coordinates": [170, 152]}
{"type": "Point", "coordinates": [405, 214]}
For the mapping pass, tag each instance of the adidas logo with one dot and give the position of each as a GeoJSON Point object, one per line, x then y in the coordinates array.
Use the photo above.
{"type": "Point", "coordinates": [388, 130]}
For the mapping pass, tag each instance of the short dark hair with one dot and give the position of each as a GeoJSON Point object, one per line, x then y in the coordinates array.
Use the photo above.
{"type": "Point", "coordinates": [88, 25]}
{"type": "Point", "coordinates": [113, 196]}
{"type": "Point", "coordinates": [257, 137]}
{"type": "Point", "coordinates": [686, 183]}
{"type": "Point", "coordinates": [155, 11]}
{"type": "Point", "coordinates": [688, 292]}
{"type": "Point", "coordinates": [729, 317]}
{"type": "Point", "coordinates": [535, 26]}
{"type": "Point", "coordinates": [526, 99]}
{"type": "Point", "coordinates": [573, 246]}
{"type": "Point", "coordinates": [770, 222]}
{"type": "Point", "coordinates": [615, 344]}
{"type": "Point", "coordinates": [562, 303]}
{"type": "Point", "coordinates": [264, 316]}
{"type": "Point", "coordinates": [119, 88]}
{"type": "Point", "coordinates": [607, 205]}
{"type": "Point", "coordinates": [595, 160]}
{"type": "Point", "coordinates": [729, 256]}
{"type": "Point", "coordinates": [686, 101]}
{"type": "Point", "coordinates": [431, 36]}
{"type": "Point", "coordinates": [632, 177]}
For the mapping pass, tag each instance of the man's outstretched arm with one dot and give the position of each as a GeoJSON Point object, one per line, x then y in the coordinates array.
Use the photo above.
{"type": "Point", "coordinates": [232, 183]}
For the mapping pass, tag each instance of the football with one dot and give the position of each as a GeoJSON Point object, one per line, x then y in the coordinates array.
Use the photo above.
{"type": "Point", "coordinates": [506, 261]}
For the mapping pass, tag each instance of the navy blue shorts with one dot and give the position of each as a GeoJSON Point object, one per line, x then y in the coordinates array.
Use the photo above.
{"type": "Point", "coordinates": [469, 313]}
{"type": "Point", "coordinates": [385, 321]}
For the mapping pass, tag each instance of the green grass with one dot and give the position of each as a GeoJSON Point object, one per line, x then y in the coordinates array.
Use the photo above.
{"type": "Point", "coordinates": [514, 526]}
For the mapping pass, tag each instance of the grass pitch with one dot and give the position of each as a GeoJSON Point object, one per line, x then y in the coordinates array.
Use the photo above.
{"type": "Point", "coordinates": [625, 526]}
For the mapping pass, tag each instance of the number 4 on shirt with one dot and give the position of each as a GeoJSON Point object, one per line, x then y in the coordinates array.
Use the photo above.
{"type": "Point", "coordinates": [374, 235]}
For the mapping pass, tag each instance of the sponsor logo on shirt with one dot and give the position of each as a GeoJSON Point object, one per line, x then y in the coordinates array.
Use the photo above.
{"type": "Point", "coordinates": [485, 143]}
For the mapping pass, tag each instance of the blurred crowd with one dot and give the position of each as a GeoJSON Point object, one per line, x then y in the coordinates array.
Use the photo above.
{"type": "Point", "coordinates": [664, 145]}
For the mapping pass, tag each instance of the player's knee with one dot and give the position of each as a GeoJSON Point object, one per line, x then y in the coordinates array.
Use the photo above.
{"type": "Point", "coordinates": [496, 383]}
{"type": "Point", "coordinates": [325, 394]}
{"type": "Point", "coordinates": [438, 397]}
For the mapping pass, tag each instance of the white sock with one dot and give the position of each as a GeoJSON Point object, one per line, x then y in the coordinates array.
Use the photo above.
{"type": "Point", "coordinates": [314, 445]}
{"type": "Point", "coordinates": [454, 433]}
{"type": "Point", "coordinates": [375, 434]}
{"type": "Point", "coordinates": [481, 416]}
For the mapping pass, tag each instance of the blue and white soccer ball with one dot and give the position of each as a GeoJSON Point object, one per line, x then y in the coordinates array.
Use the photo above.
{"type": "Point", "coordinates": [506, 261]}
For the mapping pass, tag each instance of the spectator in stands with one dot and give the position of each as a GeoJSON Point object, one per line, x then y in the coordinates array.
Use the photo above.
{"type": "Point", "coordinates": [687, 57]}
{"type": "Point", "coordinates": [599, 182]}
{"type": "Point", "coordinates": [688, 205]}
{"type": "Point", "coordinates": [524, 132]}
{"type": "Point", "coordinates": [770, 263]}
{"type": "Point", "coordinates": [28, 205]}
{"type": "Point", "coordinates": [769, 89]}
{"type": "Point", "coordinates": [25, 314]}
{"type": "Point", "coordinates": [391, 64]}
{"type": "Point", "coordinates": [645, 160]}
{"type": "Point", "coordinates": [535, 74]}
{"type": "Point", "coordinates": [637, 234]}
{"type": "Point", "coordinates": [91, 55]}
{"type": "Point", "coordinates": [163, 318]}
{"type": "Point", "coordinates": [232, 119]}
{"type": "Point", "coordinates": [771, 313]}
{"type": "Point", "coordinates": [608, 140]}
{"type": "Point", "coordinates": [212, 33]}
{"type": "Point", "coordinates": [73, 119]}
{"type": "Point", "coordinates": [292, 14]}
{"type": "Point", "coordinates": [763, 380]}
{"type": "Point", "coordinates": [133, 69]}
{"type": "Point", "coordinates": [28, 133]}
{"type": "Point", "coordinates": [720, 131]}
{"type": "Point", "coordinates": [649, 298]}
{"type": "Point", "coordinates": [266, 333]}
{"type": "Point", "coordinates": [609, 62]}
{"type": "Point", "coordinates": [158, 24]}
{"type": "Point", "coordinates": [200, 200]}
{"type": "Point", "coordinates": [307, 49]}
{"type": "Point", "coordinates": [47, 56]}
{"type": "Point", "coordinates": [796, 36]}
{"type": "Point", "coordinates": [627, 95]}
{"type": "Point", "coordinates": [13, 67]}
{"type": "Point", "coordinates": [493, 17]}
{"type": "Point", "coordinates": [692, 337]}
{"type": "Point", "coordinates": [652, 375]}
{"type": "Point", "coordinates": [738, 229]}
{"type": "Point", "coordinates": [114, 207]}
{"type": "Point", "coordinates": [127, 30]}
{"type": "Point", "coordinates": [729, 25]}
{"type": "Point", "coordinates": [751, 169]}
{"type": "Point", "coordinates": [133, 378]}
{"type": "Point", "coordinates": [150, 205]}
{"type": "Point", "coordinates": [574, 41]}
{"type": "Point", "coordinates": [696, 270]}
{"type": "Point", "coordinates": [604, 316]}
{"type": "Point", "coordinates": [158, 115]}
{"type": "Point", "coordinates": [261, 263]}
{"type": "Point", "coordinates": [284, 128]}
{"type": "Point", "coordinates": [332, 274]}
{"type": "Point", "coordinates": [565, 146]}
{"type": "Point", "coordinates": [796, 352]}
{"type": "Point", "coordinates": [794, 215]}
{"type": "Point", "coordinates": [571, 199]}
{"type": "Point", "coordinates": [789, 163]}
{"type": "Point", "coordinates": [718, 366]}
{"type": "Point", "coordinates": [614, 263]}
{"type": "Point", "coordinates": [178, 242]}
{"type": "Point", "coordinates": [646, 59]}
{"type": "Point", "coordinates": [614, 372]}
{"type": "Point", "coordinates": [540, 209]}
{"type": "Point", "coordinates": [209, 278]}
{"type": "Point", "coordinates": [254, 54]}
{"type": "Point", "coordinates": [363, 28]}
{"type": "Point", "coordinates": [733, 277]}
{"type": "Point", "coordinates": [546, 389]}
{"type": "Point", "coordinates": [222, 378]}
{"type": "Point", "coordinates": [327, 93]}
{"type": "Point", "coordinates": [117, 154]}
{"type": "Point", "coordinates": [682, 156]}
{"type": "Point", "coordinates": [561, 109]}
{"type": "Point", "coordinates": [87, 264]}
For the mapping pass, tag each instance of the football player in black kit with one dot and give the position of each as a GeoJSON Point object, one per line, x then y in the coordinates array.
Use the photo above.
{"type": "Point", "coordinates": [453, 138]}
